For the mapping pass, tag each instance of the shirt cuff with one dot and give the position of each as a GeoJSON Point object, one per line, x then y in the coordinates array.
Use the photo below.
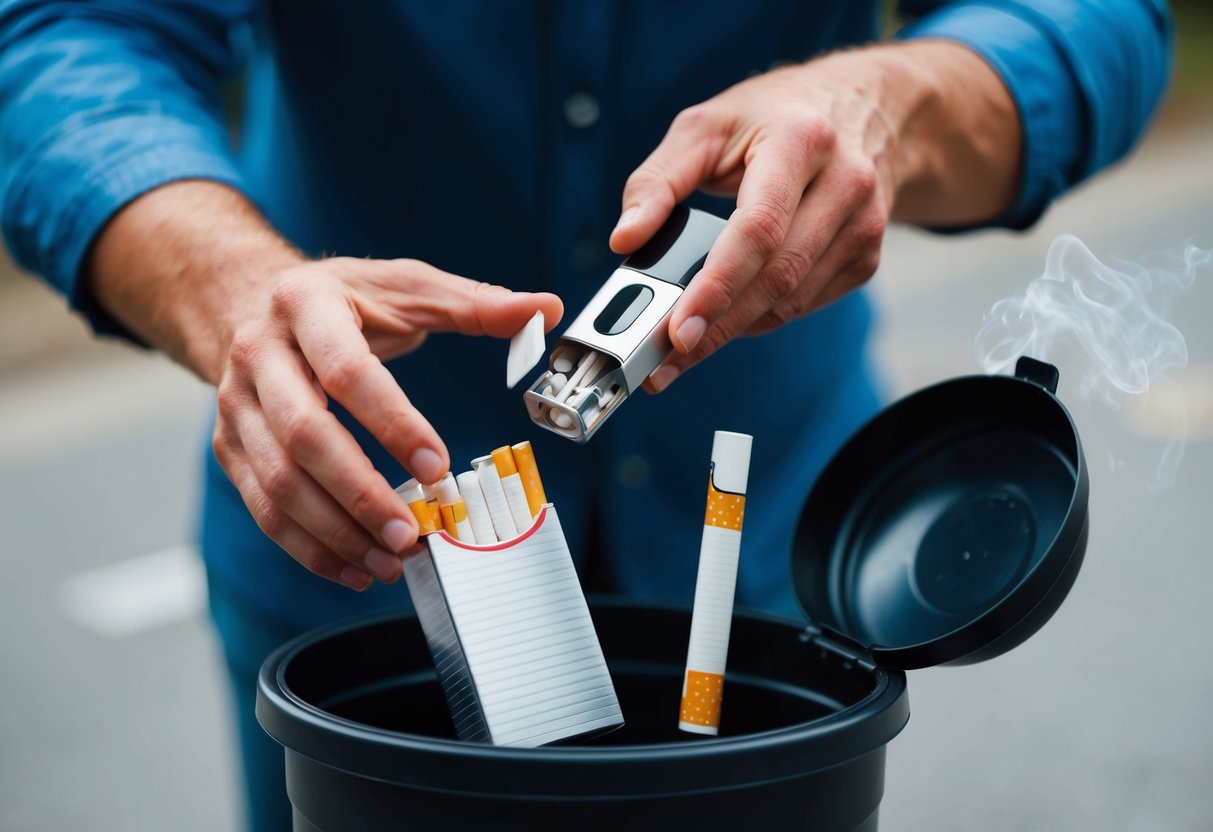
{"type": "Point", "coordinates": [1046, 96]}
{"type": "Point", "coordinates": [58, 205]}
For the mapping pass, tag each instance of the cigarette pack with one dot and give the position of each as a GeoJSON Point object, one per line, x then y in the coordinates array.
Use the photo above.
{"type": "Point", "coordinates": [511, 637]}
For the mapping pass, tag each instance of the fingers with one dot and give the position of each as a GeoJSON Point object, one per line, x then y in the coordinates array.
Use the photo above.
{"type": "Point", "coordinates": [334, 348]}
{"type": "Point", "coordinates": [771, 192]}
{"type": "Point", "coordinates": [300, 466]}
{"type": "Point", "coordinates": [852, 258]}
{"type": "Point", "coordinates": [300, 471]}
{"type": "Point", "coordinates": [410, 298]}
{"type": "Point", "coordinates": [832, 246]}
{"type": "Point", "coordinates": [331, 346]}
{"type": "Point", "coordinates": [280, 527]}
{"type": "Point", "coordinates": [686, 156]}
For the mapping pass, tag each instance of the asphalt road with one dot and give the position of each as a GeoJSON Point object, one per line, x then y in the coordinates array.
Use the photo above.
{"type": "Point", "coordinates": [112, 707]}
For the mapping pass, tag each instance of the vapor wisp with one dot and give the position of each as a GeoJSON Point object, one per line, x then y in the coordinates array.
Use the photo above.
{"type": "Point", "coordinates": [1108, 329]}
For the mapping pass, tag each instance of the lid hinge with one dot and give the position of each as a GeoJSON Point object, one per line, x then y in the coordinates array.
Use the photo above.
{"type": "Point", "coordinates": [839, 645]}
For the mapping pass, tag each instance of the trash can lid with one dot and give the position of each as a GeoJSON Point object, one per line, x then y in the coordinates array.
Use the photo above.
{"type": "Point", "coordinates": [950, 527]}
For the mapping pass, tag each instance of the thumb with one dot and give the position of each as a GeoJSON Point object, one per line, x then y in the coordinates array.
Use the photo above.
{"type": "Point", "coordinates": [501, 313]}
{"type": "Point", "coordinates": [672, 172]}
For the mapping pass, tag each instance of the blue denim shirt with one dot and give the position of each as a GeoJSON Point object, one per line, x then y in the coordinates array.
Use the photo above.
{"type": "Point", "coordinates": [493, 140]}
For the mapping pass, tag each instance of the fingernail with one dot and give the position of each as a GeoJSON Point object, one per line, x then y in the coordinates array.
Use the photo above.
{"type": "Point", "coordinates": [663, 377]}
{"type": "Point", "coordinates": [384, 566]}
{"type": "Point", "coordinates": [396, 534]}
{"type": "Point", "coordinates": [354, 578]}
{"type": "Point", "coordinates": [627, 218]}
{"type": "Point", "coordinates": [689, 333]}
{"type": "Point", "coordinates": [426, 465]}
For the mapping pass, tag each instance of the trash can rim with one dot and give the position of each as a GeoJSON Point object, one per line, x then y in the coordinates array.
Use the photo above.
{"type": "Point", "coordinates": [766, 756]}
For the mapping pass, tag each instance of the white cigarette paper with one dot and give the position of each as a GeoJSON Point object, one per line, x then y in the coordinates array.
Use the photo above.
{"type": "Point", "coordinates": [478, 510]}
{"type": "Point", "coordinates": [515, 498]}
{"type": "Point", "coordinates": [494, 498]}
{"type": "Point", "coordinates": [712, 615]}
{"type": "Point", "coordinates": [511, 484]}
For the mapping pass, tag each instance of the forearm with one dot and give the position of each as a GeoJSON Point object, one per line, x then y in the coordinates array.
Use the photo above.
{"type": "Point", "coordinates": [960, 143]}
{"type": "Point", "coordinates": [177, 264]}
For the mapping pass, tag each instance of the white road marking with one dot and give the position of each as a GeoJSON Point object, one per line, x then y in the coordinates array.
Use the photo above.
{"type": "Point", "coordinates": [136, 595]}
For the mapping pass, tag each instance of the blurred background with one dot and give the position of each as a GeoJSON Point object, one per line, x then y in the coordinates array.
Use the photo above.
{"type": "Point", "coordinates": [112, 707]}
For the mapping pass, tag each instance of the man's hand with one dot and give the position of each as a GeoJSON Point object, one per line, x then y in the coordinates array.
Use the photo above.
{"type": "Point", "coordinates": [279, 336]}
{"type": "Point", "coordinates": [820, 157]}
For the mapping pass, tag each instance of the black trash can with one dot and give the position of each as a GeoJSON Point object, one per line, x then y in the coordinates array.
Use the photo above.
{"type": "Point", "coordinates": [947, 531]}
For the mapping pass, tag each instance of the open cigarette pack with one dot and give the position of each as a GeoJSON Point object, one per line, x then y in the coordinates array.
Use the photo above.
{"type": "Point", "coordinates": [510, 633]}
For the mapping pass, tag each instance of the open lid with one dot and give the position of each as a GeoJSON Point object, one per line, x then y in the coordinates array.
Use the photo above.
{"type": "Point", "coordinates": [951, 526]}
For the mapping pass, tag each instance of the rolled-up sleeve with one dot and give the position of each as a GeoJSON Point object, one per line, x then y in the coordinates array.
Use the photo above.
{"type": "Point", "coordinates": [100, 103]}
{"type": "Point", "coordinates": [1085, 75]}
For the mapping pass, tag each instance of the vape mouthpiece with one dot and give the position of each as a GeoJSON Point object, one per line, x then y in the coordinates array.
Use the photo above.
{"type": "Point", "coordinates": [622, 334]}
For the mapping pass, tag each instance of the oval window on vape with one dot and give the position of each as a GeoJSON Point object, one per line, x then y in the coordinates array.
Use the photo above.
{"type": "Point", "coordinates": [623, 309]}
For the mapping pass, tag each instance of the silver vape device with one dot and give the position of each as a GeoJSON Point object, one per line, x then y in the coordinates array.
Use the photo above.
{"type": "Point", "coordinates": [622, 334]}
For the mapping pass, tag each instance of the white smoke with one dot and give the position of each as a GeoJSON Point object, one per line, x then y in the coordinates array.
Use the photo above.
{"type": "Point", "coordinates": [1108, 328]}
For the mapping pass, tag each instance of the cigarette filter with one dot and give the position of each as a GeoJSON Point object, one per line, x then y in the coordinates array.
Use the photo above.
{"type": "Point", "coordinates": [528, 470]}
{"type": "Point", "coordinates": [414, 498]}
{"type": "Point", "coordinates": [494, 497]}
{"type": "Point", "coordinates": [703, 685]}
{"type": "Point", "coordinates": [435, 512]}
{"type": "Point", "coordinates": [448, 521]}
{"type": "Point", "coordinates": [477, 508]}
{"type": "Point", "coordinates": [449, 501]}
{"type": "Point", "coordinates": [511, 484]}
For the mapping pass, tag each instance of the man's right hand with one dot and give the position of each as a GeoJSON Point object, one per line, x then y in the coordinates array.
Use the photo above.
{"type": "Point", "coordinates": [279, 336]}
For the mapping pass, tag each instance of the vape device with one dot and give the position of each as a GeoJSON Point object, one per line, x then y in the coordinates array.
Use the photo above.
{"type": "Point", "coordinates": [622, 334]}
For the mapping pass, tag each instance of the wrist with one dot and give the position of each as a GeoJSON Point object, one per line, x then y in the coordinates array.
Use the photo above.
{"type": "Point", "coordinates": [182, 265]}
{"type": "Point", "coordinates": [882, 95]}
{"type": "Point", "coordinates": [959, 142]}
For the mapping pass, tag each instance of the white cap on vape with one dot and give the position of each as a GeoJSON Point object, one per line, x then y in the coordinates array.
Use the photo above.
{"type": "Point", "coordinates": [731, 461]}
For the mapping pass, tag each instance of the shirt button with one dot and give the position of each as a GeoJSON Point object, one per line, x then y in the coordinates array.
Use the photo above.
{"type": "Point", "coordinates": [581, 110]}
{"type": "Point", "coordinates": [634, 471]}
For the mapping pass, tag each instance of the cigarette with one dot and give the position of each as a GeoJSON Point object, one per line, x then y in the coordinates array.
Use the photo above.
{"type": "Point", "coordinates": [477, 509]}
{"type": "Point", "coordinates": [511, 485]}
{"type": "Point", "coordinates": [584, 368]}
{"type": "Point", "coordinates": [435, 512]}
{"type": "Point", "coordinates": [562, 363]}
{"type": "Point", "coordinates": [451, 503]}
{"type": "Point", "coordinates": [414, 498]}
{"type": "Point", "coordinates": [494, 498]}
{"type": "Point", "coordinates": [703, 685]}
{"type": "Point", "coordinates": [528, 470]}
